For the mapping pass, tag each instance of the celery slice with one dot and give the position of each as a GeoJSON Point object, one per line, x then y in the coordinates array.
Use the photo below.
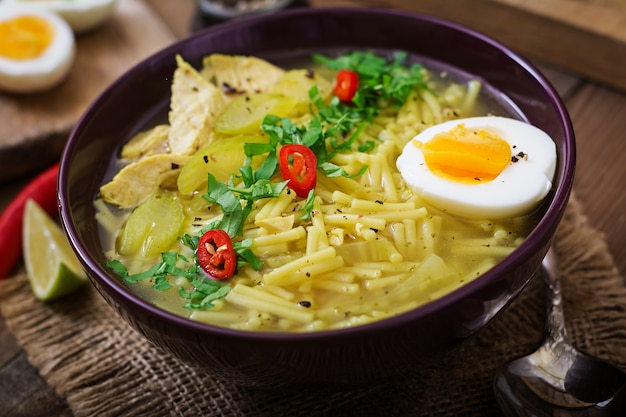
{"type": "Point", "coordinates": [220, 158]}
{"type": "Point", "coordinates": [245, 113]}
{"type": "Point", "coordinates": [153, 227]}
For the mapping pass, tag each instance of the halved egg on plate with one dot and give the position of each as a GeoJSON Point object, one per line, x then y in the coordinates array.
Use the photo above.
{"type": "Point", "coordinates": [37, 49]}
{"type": "Point", "coordinates": [481, 167]}
{"type": "Point", "coordinates": [82, 15]}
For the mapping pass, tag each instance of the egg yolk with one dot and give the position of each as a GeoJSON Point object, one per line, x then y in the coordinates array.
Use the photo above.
{"type": "Point", "coordinates": [25, 37]}
{"type": "Point", "coordinates": [466, 155]}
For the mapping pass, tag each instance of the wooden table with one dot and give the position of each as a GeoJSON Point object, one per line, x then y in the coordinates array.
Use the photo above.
{"type": "Point", "coordinates": [593, 88]}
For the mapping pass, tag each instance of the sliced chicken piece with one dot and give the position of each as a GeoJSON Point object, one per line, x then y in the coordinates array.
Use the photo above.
{"type": "Point", "coordinates": [236, 74]}
{"type": "Point", "coordinates": [194, 105]}
{"type": "Point", "coordinates": [149, 142]}
{"type": "Point", "coordinates": [135, 182]}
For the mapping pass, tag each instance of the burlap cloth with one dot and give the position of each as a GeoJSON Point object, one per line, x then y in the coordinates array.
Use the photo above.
{"type": "Point", "coordinates": [103, 368]}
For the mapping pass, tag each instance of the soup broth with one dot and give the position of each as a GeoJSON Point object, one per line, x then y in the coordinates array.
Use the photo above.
{"type": "Point", "coordinates": [360, 248]}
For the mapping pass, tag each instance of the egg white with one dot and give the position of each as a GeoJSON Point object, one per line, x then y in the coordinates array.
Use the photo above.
{"type": "Point", "coordinates": [514, 192]}
{"type": "Point", "coordinates": [81, 15]}
{"type": "Point", "coordinates": [46, 70]}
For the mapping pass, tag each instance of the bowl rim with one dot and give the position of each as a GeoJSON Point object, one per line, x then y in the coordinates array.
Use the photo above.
{"type": "Point", "coordinates": [541, 233]}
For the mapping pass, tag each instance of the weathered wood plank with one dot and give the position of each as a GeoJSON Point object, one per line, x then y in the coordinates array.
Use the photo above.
{"type": "Point", "coordinates": [599, 118]}
{"type": "Point", "coordinates": [23, 393]}
{"type": "Point", "coordinates": [585, 37]}
{"type": "Point", "coordinates": [34, 128]}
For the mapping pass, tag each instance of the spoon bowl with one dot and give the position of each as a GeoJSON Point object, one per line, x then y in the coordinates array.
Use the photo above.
{"type": "Point", "coordinates": [558, 379]}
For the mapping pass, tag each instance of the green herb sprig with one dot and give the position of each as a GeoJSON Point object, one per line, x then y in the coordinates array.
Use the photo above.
{"type": "Point", "coordinates": [379, 78]}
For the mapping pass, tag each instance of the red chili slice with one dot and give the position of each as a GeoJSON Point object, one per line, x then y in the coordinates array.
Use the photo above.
{"type": "Point", "coordinates": [216, 254]}
{"type": "Point", "coordinates": [346, 85]}
{"type": "Point", "coordinates": [42, 189]}
{"type": "Point", "coordinates": [298, 165]}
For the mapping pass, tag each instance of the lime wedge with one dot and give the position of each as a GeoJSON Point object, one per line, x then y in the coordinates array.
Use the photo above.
{"type": "Point", "coordinates": [52, 267]}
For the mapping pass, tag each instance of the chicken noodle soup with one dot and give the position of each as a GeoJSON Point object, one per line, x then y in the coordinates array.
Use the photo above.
{"type": "Point", "coordinates": [358, 247]}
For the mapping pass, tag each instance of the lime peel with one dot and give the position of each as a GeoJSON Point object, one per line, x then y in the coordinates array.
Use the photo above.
{"type": "Point", "coordinates": [53, 269]}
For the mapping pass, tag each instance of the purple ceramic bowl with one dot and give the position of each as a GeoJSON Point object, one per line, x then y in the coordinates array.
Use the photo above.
{"type": "Point", "coordinates": [368, 354]}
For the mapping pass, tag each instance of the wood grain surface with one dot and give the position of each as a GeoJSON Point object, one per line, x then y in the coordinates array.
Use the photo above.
{"type": "Point", "coordinates": [585, 37]}
{"type": "Point", "coordinates": [34, 128]}
{"type": "Point", "coordinates": [596, 102]}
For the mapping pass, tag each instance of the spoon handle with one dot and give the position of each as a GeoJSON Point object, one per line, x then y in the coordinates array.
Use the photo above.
{"type": "Point", "coordinates": [555, 320]}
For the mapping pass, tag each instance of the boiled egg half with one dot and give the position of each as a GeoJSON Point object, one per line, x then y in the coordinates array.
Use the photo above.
{"type": "Point", "coordinates": [82, 15]}
{"type": "Point", "coordinates": [37, 49]}
{"type": "Point", "coordinates": [480, 167]}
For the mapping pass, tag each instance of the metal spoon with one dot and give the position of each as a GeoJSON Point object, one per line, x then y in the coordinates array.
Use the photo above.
{"type": "Point", "coordinates": [557, 379]}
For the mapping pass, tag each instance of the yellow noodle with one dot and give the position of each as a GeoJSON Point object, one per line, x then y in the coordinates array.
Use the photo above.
{"type": "Point", "coordinates": [249, 272]}
{"type": "Point", "coordinates": [473, 89]}
{"type": "Point", "coordinates": [353, 187]}
{"type": "Point", "coordinates": [317, 218]}
{"type": "Point", "coordinates": [335, 313]}
{"type": "Point", "coordinates": [342, 276]}
{"type": "Point", "coordinates": [399, 236]}
{"type": "Point", "coordinates": [297, 270]}
{"type": "Point", "coordinates": [427, 115]}
{"type": "Point", "coordinates": [434, 106]}
{"type": "Point", "coordinates": [271, 249]}
{"type": "Point", "coordinates": [412, 243]}
{"type": "Point", "coordinates": [336, 286]}
{"type": "Point", "coordinates": [380, 206]}
{"type": "Point", "coordinates": [332, 208]}
{"type": "Point", "coordinates": [310, 272]}
{"type": "Point", "coordinates": [256, 300]}
{"type": "Point", "coordinates": [214, 317]}
{"type": "Point", "coordinates": [260, 293]}
{"type": "Point", "coordinates": [316, 239]}
{"type": "Point", "coordinates": [279, 291]}
{"type": "Point", "coordinates": [356, 158]}
{"type": "Point", "coordinates": [383, 282]}
{"type": "Point", "coordinates": [395, 257]}
{"type": "Point", "coordinates": [428, 235]}
{"type": "Point", "coordinates": [396, 216]}
{"type": "Point", "coordinates": [353, 219]}
{"type": "Point", "coordinates": [274, 207]}
{"type": "Point", "coordinates": [341, 198]}
{"type": "Point", "coordinates": [410, 108]}
{"type": "Point", "coordinates": [388, 183]}
{"type": "Point", "coordinates": [373, 178]}
{"type": "Point", "coordinates": [362, 272]}
{"type": "Point", "coordinates": [280, 237]}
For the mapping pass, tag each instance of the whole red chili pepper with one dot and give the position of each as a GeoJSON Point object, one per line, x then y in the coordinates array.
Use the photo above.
{"type": "Point", "coordinates": [42, 189]}
{"type": "Point", "coordinates": [216, 254]}
{"type": "Point", "coordinates": [298, 165]}
{"type": "Point", "coordinates": [346, 85]}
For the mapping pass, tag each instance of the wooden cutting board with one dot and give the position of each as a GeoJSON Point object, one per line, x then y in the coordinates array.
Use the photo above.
{"type": "Point", "coordinates": [34, 129]}
{"type": "Point", "coordinates": [584, 37]}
